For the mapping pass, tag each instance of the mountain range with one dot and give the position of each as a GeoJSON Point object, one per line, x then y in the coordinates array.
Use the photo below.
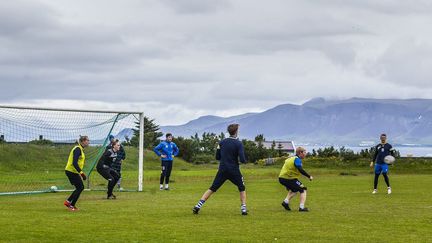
{"type": "Point", "coordinates": [320, 121]}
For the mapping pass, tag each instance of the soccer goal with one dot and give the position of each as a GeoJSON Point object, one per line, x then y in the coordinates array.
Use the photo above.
{"type": "Point", "coordinates": [35, 144]}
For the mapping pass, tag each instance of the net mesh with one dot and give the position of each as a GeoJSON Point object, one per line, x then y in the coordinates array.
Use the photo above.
{"type": "Point", "coordinates": [35, 145]}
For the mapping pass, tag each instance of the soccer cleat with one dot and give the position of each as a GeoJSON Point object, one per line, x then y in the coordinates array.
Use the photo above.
{"type": "Point", "coordinates": [67, 203]}
{"type": "Point", "coordinates": [243, 210]}
{"type": "Point", "coordinates": [195, 210]}
{"type": "Point", "coordinates": [112, 196]}
{"type": "Point", "coordinates": [286, 206]}
{"type": "Point", "coordinates": [73, 208]}
{"type": "Point", "coordinates": [161, 188]}
{"type": "Point", "coordinates": [389, 190]}
{"type": "Point", "coordinates": [303, 210]}
{"type": "Point", "coordinates": [167, 188]}
{"type": "Point", "coordinates": [374, 191]}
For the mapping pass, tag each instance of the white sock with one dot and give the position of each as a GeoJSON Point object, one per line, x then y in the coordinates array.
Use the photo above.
{"type": "Point", "coordinates": [286, 201]}
{"type": "Point", "coordinates": [161, 186]}
{"type": "Point", "coordinates": [302, 205]}
{"type": "Point", "coordinates": [166, 186]}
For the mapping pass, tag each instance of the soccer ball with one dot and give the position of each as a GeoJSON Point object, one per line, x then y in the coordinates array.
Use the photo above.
{"type": "Point", "coordinates": [389, 159]}
{"type": "Point", "coordinates": [53, 188]}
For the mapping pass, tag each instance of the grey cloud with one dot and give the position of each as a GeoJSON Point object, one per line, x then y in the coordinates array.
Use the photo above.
{"type": "Point", "coordinates": [197, 6]}
{"type": "Point", "coordinates": [407, 63]}
{"type": "Point", "coordinates": [387, 7]}
{"type": "Point", "coordinates": [20, 16]}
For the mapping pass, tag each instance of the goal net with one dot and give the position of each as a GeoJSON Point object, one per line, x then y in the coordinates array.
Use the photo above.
{"type": "Point", "coordinates": [35, 144]}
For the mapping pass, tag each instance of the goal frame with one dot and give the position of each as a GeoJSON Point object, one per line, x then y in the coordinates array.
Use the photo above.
{"type": "Point", "coordinates": [141, 131]}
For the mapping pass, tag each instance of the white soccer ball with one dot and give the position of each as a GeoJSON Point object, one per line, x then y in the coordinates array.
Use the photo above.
{"type": "Point", "coordinates": [389, 159]}
{"type": "Point", "coordinates": [53, 188]}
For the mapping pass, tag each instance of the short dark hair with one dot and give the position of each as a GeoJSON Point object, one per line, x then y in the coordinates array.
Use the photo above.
{"type": "Point", "coordinates": [232, 129]}
{"type": "Point", "coordinates": [383, 135]}
{"type": "Point", "coordinates": [168, 134]}
{"type": "Point", "coordinates": [83, 138]}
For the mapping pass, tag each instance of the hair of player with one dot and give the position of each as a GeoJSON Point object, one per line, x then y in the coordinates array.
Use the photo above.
{"type": "Point", "coordinates": [82, 139]}
{"type": "Point", "coordinates": [300, 150]}
{"type": "Point", "coordinates": [168, 135]}
{"type": "Point", "coordinates": [232, 129]}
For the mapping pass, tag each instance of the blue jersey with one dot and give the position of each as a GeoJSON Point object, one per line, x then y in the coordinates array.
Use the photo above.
{"type": "Point", "coordinates": [167, 148]}
{"type": "Point", "coordinates": [229, 152]}
{"type": "Point", "coordinates": [381, 151]}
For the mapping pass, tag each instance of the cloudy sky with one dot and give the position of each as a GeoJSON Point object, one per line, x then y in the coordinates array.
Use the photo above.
{"type": "Point", "coordinates": [179, 59]}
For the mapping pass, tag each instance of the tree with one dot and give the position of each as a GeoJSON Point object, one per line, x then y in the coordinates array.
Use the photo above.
{"type": "Point", "coordinates": [188, 148]}
{"type": "Point", "coordinates": [209, 143]}
{"type": "Point", "coordinates": [250, 150]}
{"type": "Point", "coordinates": [280, 147]}
{"type": "Point", "coordinates": [261, 151]}
{"type": "Point", "coordinates": [151, 134]}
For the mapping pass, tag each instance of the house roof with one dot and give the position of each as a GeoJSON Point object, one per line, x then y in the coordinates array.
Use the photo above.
{"type": "Point", "coordinates": [286, 145]}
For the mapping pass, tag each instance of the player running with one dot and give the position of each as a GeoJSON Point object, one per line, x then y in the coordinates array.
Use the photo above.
{"type": "Point", "coordinates": [289, 175]}
{"type": "Point", "coordinates": [229, 151]}
{"type": "Point", "coordinates": [382, 150]}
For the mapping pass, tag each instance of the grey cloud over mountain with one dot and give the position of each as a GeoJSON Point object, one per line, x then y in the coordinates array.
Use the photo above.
{"type": "Point", "coordinates": [211, 57]}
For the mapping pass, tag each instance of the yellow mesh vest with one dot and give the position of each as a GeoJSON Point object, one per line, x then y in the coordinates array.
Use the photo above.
{"type": "Point", "coordinates": [289, 171]}
{"type": "Point", "coordinates": [81, 159]}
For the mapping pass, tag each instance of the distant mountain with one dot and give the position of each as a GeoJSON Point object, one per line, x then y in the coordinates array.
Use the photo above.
{"type": "Point", "coordinates": [323, 121]}
{"type": "Point", "coordinates": [202, 124]}
{"type": "Point", "coordinates": [124, 133]}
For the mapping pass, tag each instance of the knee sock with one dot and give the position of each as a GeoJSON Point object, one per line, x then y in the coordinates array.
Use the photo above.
{"type": "Point", "coordinates": [200, 203]}
{"type": "Point", "coordinates": [386, 179]}
{"type": "Point", "coordinates": [376, 181]}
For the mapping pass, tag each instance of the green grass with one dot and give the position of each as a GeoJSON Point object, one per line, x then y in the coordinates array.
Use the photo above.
{"type": "Point", "coordinates": [342, 206]}
{"type": "Point", "coordinates": [342, 210]}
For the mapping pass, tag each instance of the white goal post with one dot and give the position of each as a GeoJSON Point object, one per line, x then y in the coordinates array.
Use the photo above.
{"type": "Point", "coordinates": [35, 143]}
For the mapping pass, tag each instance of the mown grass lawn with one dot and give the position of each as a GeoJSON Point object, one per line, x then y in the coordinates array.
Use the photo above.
{"type": "Point", "coordinates": [342, 210]}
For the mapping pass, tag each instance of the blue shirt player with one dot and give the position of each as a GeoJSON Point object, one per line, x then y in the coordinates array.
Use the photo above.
{"type": "Point", "coordinates": [381, 150]}
{"type": "Point", "coordinates": [166, 150]}
{"type": "Point", "coordinates": [230, 152]}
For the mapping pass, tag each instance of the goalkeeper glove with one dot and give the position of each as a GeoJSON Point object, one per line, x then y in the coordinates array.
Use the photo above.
{"type": "Point", "coordinates": [83, 175]}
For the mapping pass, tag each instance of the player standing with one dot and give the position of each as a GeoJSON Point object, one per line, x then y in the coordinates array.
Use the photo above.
{"type": "Point", "coordinates": [382, 150]}
{"type": "Point", "coordinates": [166, 150]}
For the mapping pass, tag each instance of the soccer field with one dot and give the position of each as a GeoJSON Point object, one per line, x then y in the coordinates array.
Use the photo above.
{"type": "Point", "coordinates": [342, 209]}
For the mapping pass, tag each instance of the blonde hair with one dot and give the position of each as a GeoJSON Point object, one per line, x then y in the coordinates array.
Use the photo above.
{"type": "Point", "coordinates": [299, 150]}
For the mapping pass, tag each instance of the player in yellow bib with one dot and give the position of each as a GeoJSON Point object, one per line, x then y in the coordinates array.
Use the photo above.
{"type": "Point", "coordinates": [289, 175]}
{"type": "Point", "coordinates": [74, 171]}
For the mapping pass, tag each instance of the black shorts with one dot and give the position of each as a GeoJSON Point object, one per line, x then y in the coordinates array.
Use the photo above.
{"type": "Point", "coordinates": [293, 185]}
{"type": "Point", "coordinates": [234, 175]}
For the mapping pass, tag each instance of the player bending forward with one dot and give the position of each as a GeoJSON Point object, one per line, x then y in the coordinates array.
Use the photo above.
{"type": "Point", "coordinates": [289, 176]}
